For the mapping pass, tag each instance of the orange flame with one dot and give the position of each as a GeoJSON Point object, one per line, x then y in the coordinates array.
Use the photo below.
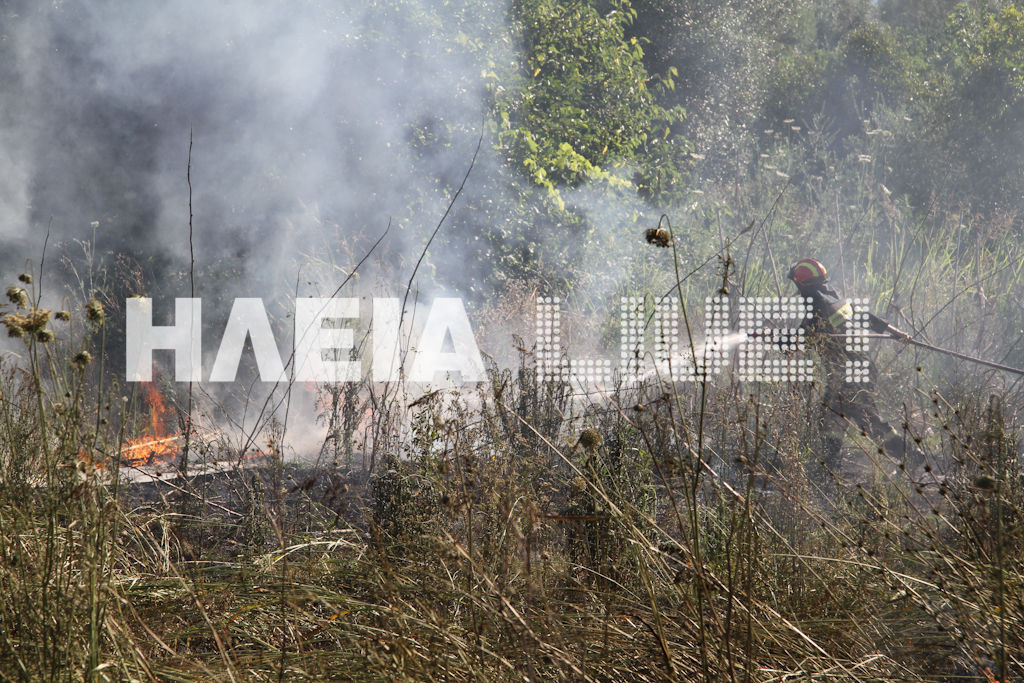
{"type": "Point", "coordinates": [157, 443]}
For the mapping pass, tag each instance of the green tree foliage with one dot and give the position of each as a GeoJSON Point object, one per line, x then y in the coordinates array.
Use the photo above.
{"type": "Point", "coordinates": [722, 54]}
{"type": "Point", "coordinates": [833, 21]}
{"type": "Point", "coordinates": [858, 106]}
{"type": "Point", "coordinates": [582, 102]}
{"type": "Point", "coordinates": [977, 111]}
{"type": "Point", "coordinates": [965, 148]}
{"type": "Point", "coordinates": [916, 17]}
{"type": "Point", "coordinates": [841, 86]}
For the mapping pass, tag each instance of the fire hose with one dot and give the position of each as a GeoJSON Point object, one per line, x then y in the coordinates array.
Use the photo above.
{"type": "Point", "coordinates": [901, 336]}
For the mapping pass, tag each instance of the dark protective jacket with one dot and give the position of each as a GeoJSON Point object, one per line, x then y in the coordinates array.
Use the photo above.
{"type": "Point", "coordinates": [845, 403]}
{"type": "Point", "coordinates": [830, 313]}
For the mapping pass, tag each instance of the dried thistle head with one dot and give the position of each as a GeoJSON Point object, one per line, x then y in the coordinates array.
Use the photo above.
{"type": "Point", "coordinates": [20, 323]}
{"type": "Point", "coordinates": [659, 237]}
{"type": "Point", "coordinates": [26, 278]}
{"type": "Point", "coordinates": [35, 321]}
{"type": "Point", "coordinates": [45, 336]}
{"type": "Point", "coordinates": [94, 311]}
{"type": "Point", "coordinates": [590, 439]}
{"type": "Point", "coordinates": [12, 321]}
{"type": "Point", "coordinates": [80, 360]}
{"type": "Point", "coordinates": [63, 316]}
{"type": "Point", "coordinates": [17, 296]}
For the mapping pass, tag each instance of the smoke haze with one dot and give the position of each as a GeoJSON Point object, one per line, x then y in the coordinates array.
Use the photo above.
{"type": "Point", "coordinates": [302, 117]}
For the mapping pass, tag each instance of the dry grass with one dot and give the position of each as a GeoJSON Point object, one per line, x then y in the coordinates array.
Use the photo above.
{"type": "Point", "coordinates": [505, 550]}
{"type": "Point", "coordinates": [515, 532]}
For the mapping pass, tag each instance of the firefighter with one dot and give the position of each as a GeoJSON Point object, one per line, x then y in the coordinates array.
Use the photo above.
{"type": "Point", "coordinates": [844, 403]}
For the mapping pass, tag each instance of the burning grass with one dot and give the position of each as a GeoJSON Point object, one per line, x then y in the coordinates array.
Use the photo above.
{"type": "Point", "coordinates": [524, 531]}
{"type": "Point", "coordinates": [156, 444]}
{"type": "Point", "coordinates": [515, 545]}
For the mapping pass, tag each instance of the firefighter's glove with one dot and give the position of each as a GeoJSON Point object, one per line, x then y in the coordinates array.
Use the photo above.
{"type": "Point", "coordinates": [877, 325]}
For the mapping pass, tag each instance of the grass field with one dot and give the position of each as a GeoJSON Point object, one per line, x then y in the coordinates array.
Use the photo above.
{"type": "Point", "coordinates": [518, 531]}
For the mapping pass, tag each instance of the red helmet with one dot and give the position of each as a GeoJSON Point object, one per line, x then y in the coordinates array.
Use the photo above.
{"type": "Point", "coordinates": [806, 272]}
